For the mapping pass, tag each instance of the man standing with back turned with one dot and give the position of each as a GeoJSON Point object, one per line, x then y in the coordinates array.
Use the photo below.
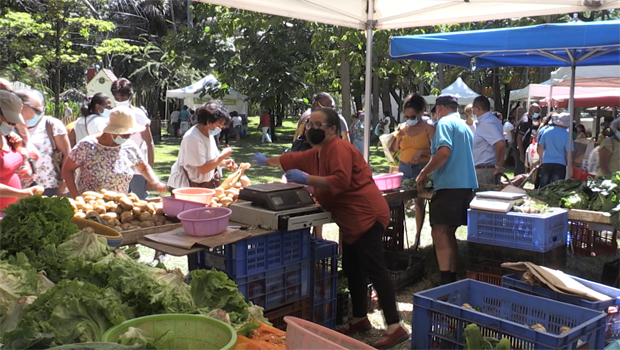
{"type": "Point", "coordinates": [489, 144]}
{"type": "Point", "coordinates": [454, 178]}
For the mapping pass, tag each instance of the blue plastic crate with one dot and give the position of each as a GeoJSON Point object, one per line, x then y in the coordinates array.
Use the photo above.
{"type": "Point", "coordinates": [514, 281]}
{"type": "Point", "coordinates": [324, 258]}
{"type": "Point", "coordinates": [539, 232]}
{"type": "Point", "coordinates": [278, 286]}
{"type": "Point", "coordinates": [256, 254]}
{"type": "Point", "coordinates": [439, 320]}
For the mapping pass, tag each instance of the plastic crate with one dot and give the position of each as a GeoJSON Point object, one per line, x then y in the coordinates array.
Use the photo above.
{"type": "Point", "coordinates": [394, 236]}
{"type": "Point", "coordinates": [404, 268]}
{"type": "Point", "coordinates": [302, 334]}
{"type": "Point", "coordinates": [539, 232]}
{"type": "Point", "coordinates": [256, 254]}
{"type": "Point", "coordinates": [488, 258]}
{"type": "Point", "coordinates": [485, 277]}
{"type": "Point", "coordinates": [514, 281]}
{"type": "Point", "coordinates": [611, 273]}
{"type": "Point", "coordinates": [276, 287]}
{"type": "Point", "coordinates": [324, 281]}
{"type": "Point", "coordinates": [589, 239]}
{"type": "Point", "coordinates": [439, 320]}
{"type": "Point", "coordinates": [300, 309]}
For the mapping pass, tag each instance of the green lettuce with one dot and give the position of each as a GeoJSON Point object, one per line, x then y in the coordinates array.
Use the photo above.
{"type": "Point", "coordinates": [212, 289]}
{"type": "Point", "coordinates": [85, 245]}
{"type": "Point", "coordinates": [71, 312]}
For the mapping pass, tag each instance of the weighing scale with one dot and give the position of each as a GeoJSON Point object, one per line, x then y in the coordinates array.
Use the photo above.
{"type": "Point", "coordinates": [496, 201]}
{"type": "Point", "coordinates": [276, 196]}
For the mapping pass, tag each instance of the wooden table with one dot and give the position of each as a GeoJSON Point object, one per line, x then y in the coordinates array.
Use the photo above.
{"type": "Point", "coordinates": [596, 217]}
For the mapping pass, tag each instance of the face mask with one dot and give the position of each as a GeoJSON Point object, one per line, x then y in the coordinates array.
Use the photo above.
{"type": "Point", "coordinates": [105, 113]}
{"type": "Point", "coordinates": [5, 129]}
{"type": "Point", "coordinates": [124, 103]}
{"type": "Point", "coordinates": [34, 121]}
{"type": "Point", "coordinates": [316, 136]}
{"type": "Point", "coordinates": [119, 140]}
{"type": "Point", "coordinates": [535, 115]}
{"type": "Point", "coordinates": [215, 131]}
{"type": "Point", "coordinates": [412, 122]}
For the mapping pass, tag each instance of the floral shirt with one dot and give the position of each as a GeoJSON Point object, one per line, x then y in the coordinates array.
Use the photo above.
{"type": "Point", "coordinates": [44, 167]}
{"type": "Point", "coordinates": [103, 167]}
{"type": "Point", "coordinates": [357, 133]}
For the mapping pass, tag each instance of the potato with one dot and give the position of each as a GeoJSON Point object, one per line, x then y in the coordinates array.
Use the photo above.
{"type": "Point", "coordinates": [92, 213]}
{"type": "Point", "coordinates": [147, 224]}
{"type": "Point", "coordinates": [119, 210]}
{"type": "Point", "coordinates": [126, 203]}
{"type": "Point", "coordinates": [117, 222]}
{"type": "Point", "coordinates": [118, 228]}
{"type": "Point", "coordinates": [109, 196]}
{"type": "Point", "coordinates": [136, 211]}
{"type": "Point", "coordinates": [145, 216]}
{"type": "Point", "coordinates": [109, 216]}
{"type": "Point", "coordinates": [97, 195]}
{"type": "Point", "coordinates": [157, 223]}
{"type": "Point", "coordinates": [219, 191]}
{"type": "Point", "coordinates": [87, 207]}
{"type": "Point", "coordinates": [100, 201]}
{"type": "Point", "coordinates": [133, 197]}
{"type": "Point", "coordinates": [80, 199]}
{"type": "Point", "coordinates": [159, 211]}
{"type": "Point", "coordinates": [79, 214]}
{"type": "Point", "coordinates": [168, 222]}
{"type": "Point", "coordinates": [135, 222]}
{"type": "Point", "coordinates": [38, 190]}
{"type": "Point", "coordinates": [100, 209]}
{"type": "Point", "coordinates": [220, 196]}
{"type": "Point", "coordinates": [88, 199]}
{"type": "Point", "coordinates": [126, 216]}
{"type": "Point", "coordinates": [133, 227]}
{"type": "Point", "coordinates": [126, 226]}
{"type": "Point", "coordinates": [159, 218]}
{"type": "Point", "coordinates": [119, 196]}
{"type": "Point", "coordinates": [150, 207]}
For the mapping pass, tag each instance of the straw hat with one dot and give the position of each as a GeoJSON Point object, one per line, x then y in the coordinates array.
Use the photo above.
{"type": "Point", "coordinates": [11, 106]}
{"type": "Point", "coordinates": [122, 122]}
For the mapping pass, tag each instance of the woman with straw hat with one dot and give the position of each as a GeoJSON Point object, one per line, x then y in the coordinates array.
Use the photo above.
{"type": "Point", "coordinates": [107, 160]}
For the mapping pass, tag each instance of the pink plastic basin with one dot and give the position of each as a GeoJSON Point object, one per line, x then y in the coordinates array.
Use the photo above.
{"type": "Point", "coordinates": [301, 334]}
{"type": "Point", "coordinates": [388, 181]}
{"type": "Point", "coordinates": [173, 206]}
{"type": "Point", "coordinates": [202, 222]}
{"type": "Point", "coordinates": [194, 194]}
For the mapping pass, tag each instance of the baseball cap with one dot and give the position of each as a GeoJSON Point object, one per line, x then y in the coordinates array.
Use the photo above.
{"type": "Point", "coordinates": [445, 100]}
{"type": "Point", "coordinates": [11, 106]}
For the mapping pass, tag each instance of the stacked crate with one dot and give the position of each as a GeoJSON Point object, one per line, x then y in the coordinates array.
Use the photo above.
{"type": "Point", "coordinates": [272, 271]}
{"type": "Point", "coordinates": [324, 281]}
{"type": "Point", "coordinates": [494, 238]}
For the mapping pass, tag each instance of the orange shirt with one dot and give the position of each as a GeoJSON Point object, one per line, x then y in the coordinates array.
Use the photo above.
{"type": "Point", "coordinates": [353, 199]}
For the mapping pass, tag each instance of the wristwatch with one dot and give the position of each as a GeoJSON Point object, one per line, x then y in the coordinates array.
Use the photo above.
{"type": "Point", "coordinates": [499, 167]}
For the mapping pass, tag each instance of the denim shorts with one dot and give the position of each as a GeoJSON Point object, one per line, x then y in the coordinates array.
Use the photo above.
{"type": "Point", "coordinates": [411, 171]}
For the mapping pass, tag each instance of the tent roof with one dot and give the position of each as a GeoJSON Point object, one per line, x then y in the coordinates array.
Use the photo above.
{"type": "Point", "coordinates": [460, 89]}
{"type": "Point", "coordinates": [589, 76]}
{"type": "Point", "coordinates": [391, 14]}
{"type": "Point", "coordinates": [192, 90]}
{"type": "Point", "coordinates": [606, 98]}
{"type": "Point", "coordinates": [588, 43]}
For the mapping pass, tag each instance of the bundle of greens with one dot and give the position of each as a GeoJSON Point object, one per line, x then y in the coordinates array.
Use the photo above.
{"type": "Point", "coordinates": [70, 312]}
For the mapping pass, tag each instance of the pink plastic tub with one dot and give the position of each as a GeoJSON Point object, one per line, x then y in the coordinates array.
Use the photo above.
{"type": "Point", "coordinates": [202, 222]}
{"type": "Point", "coordinates": [388, 181]}
{"type": "Point", "coordinates": [194, 194]}
{"type": "Point", "coordinates": [173, 206]}
{"type": "Point", "coordinates": [301, 334]}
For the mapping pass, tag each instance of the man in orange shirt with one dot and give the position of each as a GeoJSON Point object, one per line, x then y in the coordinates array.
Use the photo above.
{"type": "Point", "coordinates": [265, 119]}
{"type": "Point", "coordinates": [343, 184]}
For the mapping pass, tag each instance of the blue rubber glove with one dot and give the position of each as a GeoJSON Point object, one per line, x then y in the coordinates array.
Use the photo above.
{"type": "Point", "coordinates": [259, 159]}
{"type": "Point", "coordinates": [297, 176]}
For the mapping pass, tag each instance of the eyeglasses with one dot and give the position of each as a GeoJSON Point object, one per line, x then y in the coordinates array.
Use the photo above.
{"type": "Point", "coordinates": [36, 110]}
{"type": "Point", "coordinates": [315, 125]}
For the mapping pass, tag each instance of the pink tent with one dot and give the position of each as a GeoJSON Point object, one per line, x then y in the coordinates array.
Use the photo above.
{"type": "Point", "coordinates": [603, 98]}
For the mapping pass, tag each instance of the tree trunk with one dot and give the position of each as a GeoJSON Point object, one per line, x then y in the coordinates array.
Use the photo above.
{"type": "Point", "coordinates": [497, 94]}
{"type": "Point", "coordinates": [345, 81]}
{"type": "Point", "coordinates": [386, 101]}
{"type": "Point", "coordinates": [375, 93]}
{"type": "Point", "coordinates": [440, 76]}
{"type": "Point", "coordinates": [57, 73]}
{"type": "Point", "coordinates": [357, 99]}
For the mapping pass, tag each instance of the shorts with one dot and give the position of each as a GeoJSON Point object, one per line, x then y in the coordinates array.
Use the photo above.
{"type": "Point", "coordinates": [410, 171]}
{"type": "Point", "coordinates": [449, 206]}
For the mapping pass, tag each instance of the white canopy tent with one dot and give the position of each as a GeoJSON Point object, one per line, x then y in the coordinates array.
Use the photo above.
{"type": "Point", "coordinates": [372, 15]}
{"type": "Point", "coordinates": [191, 95]}
{"type": "Point", "coordinates": [459, 89]}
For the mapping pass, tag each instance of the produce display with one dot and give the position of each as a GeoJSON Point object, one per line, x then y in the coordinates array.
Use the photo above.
{"type": "Point", "coordinates": [597, 194]}
{"type": "Point", "coordinates": [475, 340]}
{"type": "Point", "coordinates": [119, 211]}
{"type": "Point", "coordinates": [228, 191]}
{"type": "Point", "coordinates": [59, 285]}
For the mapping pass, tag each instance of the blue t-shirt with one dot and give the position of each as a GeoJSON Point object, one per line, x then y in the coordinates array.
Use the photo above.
{"type": "Point", "coordinates": [458, 171]}
{"type": "Point", "coordinates": [555, 141]}
{"type": "Point", "coordinates": [184, 115]}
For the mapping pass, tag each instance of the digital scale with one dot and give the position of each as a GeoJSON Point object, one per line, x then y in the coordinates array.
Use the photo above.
{"type": "Point", "coordinates": [276, 196]}
{"type": "Point", "coordinates": [278, 206]}
{"type": "Point", "coordinates": [496, 201]}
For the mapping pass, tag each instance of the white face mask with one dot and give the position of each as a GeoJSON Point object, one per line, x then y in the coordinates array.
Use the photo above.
{"type": "Point", "coordinates": [412, 122]}
{"type": "Point", "coordinates": [119, 140]}
{"type": "Point", "coordinates": [5, 129]}
{"type": "Point", "coordinates": [124, 103]}
{"type": "Point", "coordinates": [215, 131]}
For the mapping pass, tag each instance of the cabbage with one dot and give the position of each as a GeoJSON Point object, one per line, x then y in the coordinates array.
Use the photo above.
{"type": "Point", "coordinates": [85, 245]}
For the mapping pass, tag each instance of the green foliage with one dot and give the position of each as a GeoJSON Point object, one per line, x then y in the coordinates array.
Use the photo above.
{"type": "Point", "coordinates": [212, 289]}
{"type": "Point", "coordinates": [70, 312]}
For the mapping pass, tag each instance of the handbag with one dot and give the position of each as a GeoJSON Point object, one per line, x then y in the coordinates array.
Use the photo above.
{"type": "Point", "coordinates": [214, 183]}
{"type": "Point", "coordinates": [57, 155]}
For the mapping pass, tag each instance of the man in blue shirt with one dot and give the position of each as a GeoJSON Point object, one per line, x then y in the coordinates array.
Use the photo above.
{"type": "Point", "coordinates": [553, 150]}
{"type": "Point", "coordinates": [489, 145]}
{"type": "Point", "coordinates": [454, 178]}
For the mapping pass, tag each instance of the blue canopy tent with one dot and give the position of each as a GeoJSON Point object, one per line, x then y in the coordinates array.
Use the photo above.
{"type": "Point", "coordinates": [547, 45]}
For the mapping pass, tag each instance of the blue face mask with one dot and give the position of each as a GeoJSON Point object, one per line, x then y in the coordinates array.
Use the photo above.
{"type": "Point", "coordinates": [105, 113]}
{"type": "Point", "coordinates": [412, 122]}
{"type": "Point", "coordinates": [34, 121]}
{"type": "Point", "coordinates": [119, 140]}
{"type": "Point", "coordinates": [535, 115]}
{"type": "Point", "coordinates": [6, 129]}
{"type": "Point", "coordinates": [215, 131]}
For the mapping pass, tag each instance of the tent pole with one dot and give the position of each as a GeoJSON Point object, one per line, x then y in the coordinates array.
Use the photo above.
{"type": "Point", "coordinates": [368, 80]}
{"type": "Point", "coordinates": [571, 110]}
{"type": "Point", "coordinates": [166, 116]}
